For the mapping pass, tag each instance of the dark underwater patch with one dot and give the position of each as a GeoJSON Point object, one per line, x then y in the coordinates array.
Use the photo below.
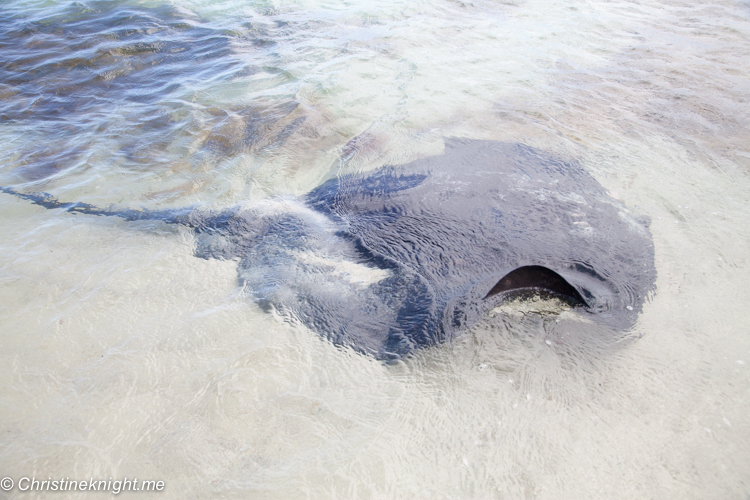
{"type": "Point", "coordinates": [127, 76]}
{"type": "Point", "coordinates": [412, 255]}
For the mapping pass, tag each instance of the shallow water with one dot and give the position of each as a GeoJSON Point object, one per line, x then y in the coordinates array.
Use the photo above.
{"type": "Point", "coordinates": [123, 355]}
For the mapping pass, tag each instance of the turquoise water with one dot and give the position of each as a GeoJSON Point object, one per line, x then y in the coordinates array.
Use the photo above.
{"type": "Point", "coordinates": [124, 355]}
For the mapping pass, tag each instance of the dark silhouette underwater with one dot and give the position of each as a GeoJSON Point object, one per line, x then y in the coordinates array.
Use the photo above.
{"type": "Point", "coordinates": [411, 255]}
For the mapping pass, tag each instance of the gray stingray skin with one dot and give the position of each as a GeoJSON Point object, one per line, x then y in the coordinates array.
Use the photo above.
{"type": "Point", "coordinates": [404, 257]}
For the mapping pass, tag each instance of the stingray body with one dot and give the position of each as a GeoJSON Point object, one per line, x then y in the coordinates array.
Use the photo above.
{"type": "Point", "coordinates": [411, 255]}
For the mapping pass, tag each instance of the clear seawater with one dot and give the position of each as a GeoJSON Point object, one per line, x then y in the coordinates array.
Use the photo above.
{"type": "Point", "coordinates": [123, 355]}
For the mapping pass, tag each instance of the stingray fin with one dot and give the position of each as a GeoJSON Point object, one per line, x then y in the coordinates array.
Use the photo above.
{"type": "Point", "coordinates": [536, 279]}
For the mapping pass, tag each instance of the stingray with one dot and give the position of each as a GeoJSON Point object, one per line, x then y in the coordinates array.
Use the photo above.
{"type": "Point", "coordinates": [412, 255]}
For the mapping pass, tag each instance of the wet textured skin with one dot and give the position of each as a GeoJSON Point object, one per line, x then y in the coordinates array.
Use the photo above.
{"type": "Point", "coordinates": [411, 255]}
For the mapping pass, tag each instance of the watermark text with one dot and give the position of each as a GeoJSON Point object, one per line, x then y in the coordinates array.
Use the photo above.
{"type": "Point", "coordinates": [114, 486]}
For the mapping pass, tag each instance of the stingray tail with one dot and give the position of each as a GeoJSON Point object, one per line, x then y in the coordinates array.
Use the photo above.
{"type": "Point", "coordinates": [46, 200]}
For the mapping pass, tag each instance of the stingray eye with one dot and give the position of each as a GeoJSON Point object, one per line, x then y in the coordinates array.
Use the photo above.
{"type": "Point", "coordinates": [536, 279]}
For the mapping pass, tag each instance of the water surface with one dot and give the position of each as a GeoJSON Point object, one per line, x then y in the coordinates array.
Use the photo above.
{"type": "Point", "coordinates": [124, 355]}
